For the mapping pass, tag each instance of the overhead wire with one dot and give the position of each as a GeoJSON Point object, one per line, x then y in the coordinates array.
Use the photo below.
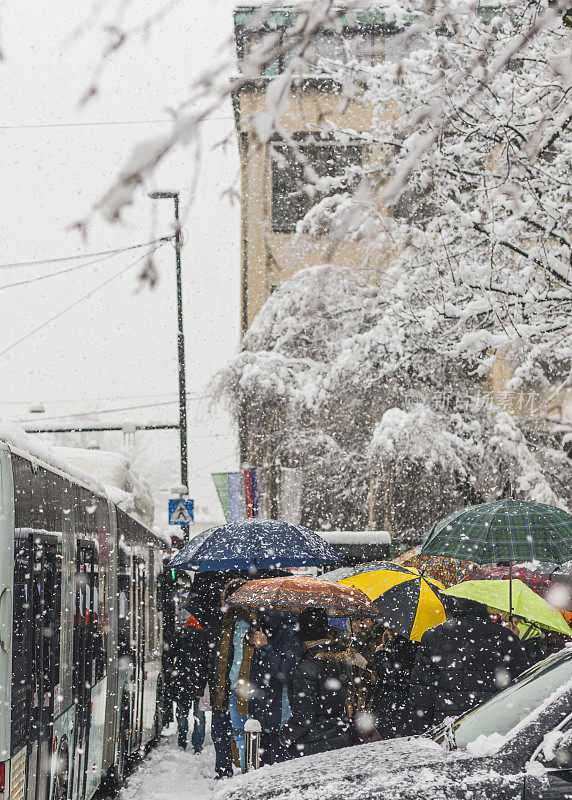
{"type": "Point", "coordinates": [41, 417]}
{"type": "Point", "coordinates": [60, 259]}
{"type": "Point", "coordinates": [78, 301]}
{"type": "Point", "coordinates": [91, 399]}
{"type": "Point", "coordinates": [76, 267]}
{"type": "Point", "coordinates": [36, 125]}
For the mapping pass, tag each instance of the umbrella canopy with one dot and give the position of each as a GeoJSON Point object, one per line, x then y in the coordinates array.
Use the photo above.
{"type": "Point", "coordinates": [448, 571]}
{"type": "Point", "coordinates": [525, 603]}
{"type": "Point", "coordinates": [356, 569]}
{"type": "Point", "coordinates": [253, 545]}
{"type": "Point", "coordinates": [406, 601]}
{"type": "Point", "coordinates": [297, 593]}
{"type": "Point", "coordinates": [506, 531]}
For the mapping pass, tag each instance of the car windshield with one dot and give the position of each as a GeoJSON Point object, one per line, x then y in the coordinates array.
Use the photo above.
{"type": "Point", "coordinates": [504, 711]}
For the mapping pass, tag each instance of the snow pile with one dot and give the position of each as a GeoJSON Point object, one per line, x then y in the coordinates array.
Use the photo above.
{"type": "Point", "coordinates": [105, 472]}
{"type": "Point", "coordinates": [550, 744]}
{"type": "Point", "coordinates": [16, 437]}
{"type": "Point", "coordinates": [400, 769]}
{"type": "Point", "coordinates": [486, 745]}
{"type": "Point", "coordinates": [417, 435]}
{"type": "Point", "coordinates": [123, 485]}
{"type": "Point", "coordinates": [356, 537]}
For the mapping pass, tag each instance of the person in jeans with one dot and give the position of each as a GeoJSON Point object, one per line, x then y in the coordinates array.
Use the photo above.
{"type": "Point", "coordinates": [189, 678]}
{"type": "Point", "coordinates": [226, 732]}
{"type": "Point", "coordinates": [241, 628]}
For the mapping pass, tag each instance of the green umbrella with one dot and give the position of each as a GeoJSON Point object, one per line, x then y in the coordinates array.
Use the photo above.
{"type": "Point", "coordinates": [508, 531]}
{"type": "Point", "coordinates": [525, 603]}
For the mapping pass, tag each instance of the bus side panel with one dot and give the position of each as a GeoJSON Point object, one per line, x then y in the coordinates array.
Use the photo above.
{"type": "Point", "coordinates": [6, 596]}
{"type": "Point", "coordinates": [145, 640]}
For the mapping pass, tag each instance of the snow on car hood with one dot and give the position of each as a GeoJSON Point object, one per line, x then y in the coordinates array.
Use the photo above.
{"type": "Point", "coordinates": [396, 770]}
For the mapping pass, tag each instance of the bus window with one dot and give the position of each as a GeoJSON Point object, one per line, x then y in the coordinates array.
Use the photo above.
{"type": "Point", "coordinates": [152, 604]}
{"type": "Point", "coordinates": [65, 697]}
{"type": "Point", "coordinates": [21, 651]}
{"type": "Point", "coordinates": [99, 652]}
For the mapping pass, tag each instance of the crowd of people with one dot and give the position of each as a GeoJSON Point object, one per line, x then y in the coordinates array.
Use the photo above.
{"type": "Point", "coordinates": [316, 683]}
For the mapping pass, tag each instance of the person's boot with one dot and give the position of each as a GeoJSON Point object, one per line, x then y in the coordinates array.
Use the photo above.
{"type": "Point", "coordinates": [182, 741]}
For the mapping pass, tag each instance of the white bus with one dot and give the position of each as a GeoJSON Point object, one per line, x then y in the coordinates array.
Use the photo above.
{"type": "Point", "coordinates": [80, 634]}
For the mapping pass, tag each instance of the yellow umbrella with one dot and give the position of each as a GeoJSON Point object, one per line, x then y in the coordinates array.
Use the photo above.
{"type": "Point", "coordinates": [407, 601]}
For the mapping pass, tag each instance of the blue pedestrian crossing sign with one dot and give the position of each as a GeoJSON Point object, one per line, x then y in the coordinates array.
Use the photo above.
{"type": "Point", "coordinates": [181, 512]}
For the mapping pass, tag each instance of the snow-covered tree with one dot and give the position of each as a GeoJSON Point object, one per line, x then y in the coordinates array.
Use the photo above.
{"type": "Point", "coordinates": [389, 430]}
{"type": "Point", "coordinates": [474, 167]}
{"type": "Point", "coordinates": [464, 56]}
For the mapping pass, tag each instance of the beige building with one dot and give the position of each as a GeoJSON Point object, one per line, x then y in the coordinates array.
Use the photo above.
{"type": "Point", "coordinates": [274, 195]}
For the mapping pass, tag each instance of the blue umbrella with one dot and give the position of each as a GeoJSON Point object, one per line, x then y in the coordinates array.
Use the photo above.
{"type": "Point", "coordinates": [253, 545]}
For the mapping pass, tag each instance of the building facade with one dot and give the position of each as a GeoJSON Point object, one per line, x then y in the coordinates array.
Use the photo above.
{"type": "Point", "coordinates": [276, 187]}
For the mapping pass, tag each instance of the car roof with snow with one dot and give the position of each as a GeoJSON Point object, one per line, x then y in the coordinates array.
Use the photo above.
{"type": "Point", "coordinates": [494, 741]}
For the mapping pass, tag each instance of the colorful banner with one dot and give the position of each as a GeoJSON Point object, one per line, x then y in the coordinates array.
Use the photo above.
{"type": "Point", "coordinates": [239, 493]}
{"type": "Point", "coordinates": [290, 496]}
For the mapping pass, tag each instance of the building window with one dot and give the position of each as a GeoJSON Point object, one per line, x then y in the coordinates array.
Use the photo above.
{"type": "Point", "coordinates": [292, 195]}
{"type": "Point", "coordinates": [254, 47]}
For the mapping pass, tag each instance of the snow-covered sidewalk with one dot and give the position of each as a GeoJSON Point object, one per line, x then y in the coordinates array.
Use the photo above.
{"type": "Point", "coordinates": [168, 773]}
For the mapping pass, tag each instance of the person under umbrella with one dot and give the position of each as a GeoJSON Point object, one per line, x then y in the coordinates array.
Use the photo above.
{"type": "Point", "coordinates": [318, 691]}
{"type": "Point", "coordinates": [305, 596]}
{"type": "Point", "coordinates": [531, 614]}
{"type": "Point", "coordinates": [276, 654]}
{"type": "Point", "coordinates": [227, 729]}
{"type": "Point", "coordinates": [531, 636]}
{"type": "Point", "coordinates": [189, 678]}
{"type": "Point", "coordinates": [461, 663]}
{"type": "Point", "coordinates": [394, 659]}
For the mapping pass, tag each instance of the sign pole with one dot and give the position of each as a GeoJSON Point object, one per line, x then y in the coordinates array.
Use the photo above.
{"type": "Point", "coordinates": [180, 351]}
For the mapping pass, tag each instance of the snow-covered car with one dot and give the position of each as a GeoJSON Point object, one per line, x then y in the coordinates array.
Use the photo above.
{"type": "Point", "coordinates": [516, 745]}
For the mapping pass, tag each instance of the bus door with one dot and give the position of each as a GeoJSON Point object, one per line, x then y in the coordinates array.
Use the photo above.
{"type": "Point", "coordinates": [83, 667]}
{"type": "Point", "coordinates": [138, 643]}
{"type": "Point", "coordinates": [45, 595]}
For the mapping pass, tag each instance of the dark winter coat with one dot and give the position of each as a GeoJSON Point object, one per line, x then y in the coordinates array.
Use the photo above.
{"type": "Point", "coordinates": [270, 668]}
{"type": "Point", "coordinates": [535, 649]}
{"type": "Point", "coordinates": [317, 692]}
{"type": "Point", "coordinates": [462, 663]}
{"type": "Point", "coordinates": [390, 705]}
{"type": "Point", "coordinates": [190, 665]}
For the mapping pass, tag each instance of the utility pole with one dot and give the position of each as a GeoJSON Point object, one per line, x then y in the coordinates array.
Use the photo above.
{"type": "Point", "coordinates": [180, 349]}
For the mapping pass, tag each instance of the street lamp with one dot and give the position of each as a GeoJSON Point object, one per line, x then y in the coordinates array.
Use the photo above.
{"type": "Point", "coordinates": [180, 348]}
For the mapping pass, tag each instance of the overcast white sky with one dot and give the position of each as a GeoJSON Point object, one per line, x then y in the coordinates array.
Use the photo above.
{"type": "Point", "coordinates": [116, 348]}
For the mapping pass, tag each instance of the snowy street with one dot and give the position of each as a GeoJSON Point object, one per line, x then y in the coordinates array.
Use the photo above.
{"type": "Point", "coordinates": [168, 772]}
